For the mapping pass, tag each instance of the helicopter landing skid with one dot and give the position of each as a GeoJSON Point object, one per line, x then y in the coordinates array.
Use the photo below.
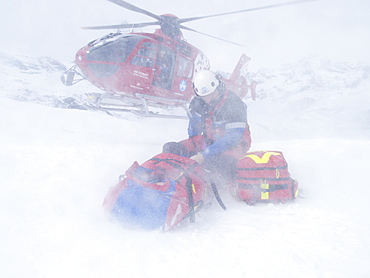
{"type": "Point", "coordinates": [138, 105]}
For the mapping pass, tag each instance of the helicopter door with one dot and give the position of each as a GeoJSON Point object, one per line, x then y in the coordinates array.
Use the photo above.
{"type": "Point", "coordinates": [143, 62]}
{"type": "Point", "coordinates": [163, 75]}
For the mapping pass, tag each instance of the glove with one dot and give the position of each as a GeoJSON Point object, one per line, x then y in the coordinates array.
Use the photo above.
{"type": "Point", "coordinates": [198, 158]}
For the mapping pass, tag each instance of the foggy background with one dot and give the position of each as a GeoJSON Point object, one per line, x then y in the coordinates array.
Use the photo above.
{"type": "Point", "coordinates": [335, 29]}
{"type": "Point", "coordinates": [57, 164]}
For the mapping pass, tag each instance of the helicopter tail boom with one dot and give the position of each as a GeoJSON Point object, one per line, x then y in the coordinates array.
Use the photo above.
{"type": "Point", "coordinates": [237, 82]}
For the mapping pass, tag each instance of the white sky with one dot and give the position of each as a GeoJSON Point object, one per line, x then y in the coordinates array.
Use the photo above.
{"type": "Point", "coordinates": [336, 29]}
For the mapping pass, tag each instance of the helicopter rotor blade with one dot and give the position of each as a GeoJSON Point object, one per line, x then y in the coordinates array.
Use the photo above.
{"type": "Point", "coordinates": [122, 26]}
{"type": "Point", "coordinates": [133, 8]}
{"type": "Point", "coordinates": [183, 20]}
{"type": "Point", "coordinates": [192, 30]}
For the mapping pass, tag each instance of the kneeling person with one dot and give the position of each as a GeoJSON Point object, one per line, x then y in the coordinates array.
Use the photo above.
{"type": "Point", "coordinates": [218, 127]}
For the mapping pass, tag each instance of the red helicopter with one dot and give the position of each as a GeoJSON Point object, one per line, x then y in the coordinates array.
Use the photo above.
{"type": "Point", "coordinates": [141, 70]}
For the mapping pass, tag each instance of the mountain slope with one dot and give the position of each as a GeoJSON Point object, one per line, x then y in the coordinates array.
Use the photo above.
{"type": "Point", "coordinates": [334, 95]}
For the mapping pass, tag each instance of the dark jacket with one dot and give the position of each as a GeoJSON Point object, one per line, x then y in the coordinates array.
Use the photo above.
{"type": "Point", "coordinates": [222, 124]}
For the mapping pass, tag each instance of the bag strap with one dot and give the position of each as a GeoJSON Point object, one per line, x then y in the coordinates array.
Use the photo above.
{"type": "Point", "coordinates": [189, 191]}
{"type": "Point", "coordinates": [217, 195]}
{"type": "Point", "coordinates": [188, 184]}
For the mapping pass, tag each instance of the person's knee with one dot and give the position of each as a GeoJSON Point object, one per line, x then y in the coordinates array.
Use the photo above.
{"type": "Point", "coordinates": [175, 148]}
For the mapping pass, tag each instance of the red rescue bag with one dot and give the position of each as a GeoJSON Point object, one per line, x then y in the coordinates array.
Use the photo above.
{"type": "Point", "coordinates": [159, 194]}
{"type": "Point", "coordinates": [264, 176]}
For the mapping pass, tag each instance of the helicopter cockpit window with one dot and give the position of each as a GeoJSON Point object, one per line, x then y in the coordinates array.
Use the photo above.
{"type": "Point", "coordinates": [145, 56]}
{"type": "Point", "coordinates": [148, 49]}
{"type": "Point", "coordinates": [146, 52]}
{"type": "Point", "coordinates": [185, 68]}
{"type": "Point", "coordinates": [104, 60]}
{"type": "Point", "coordinates": [114, 52]}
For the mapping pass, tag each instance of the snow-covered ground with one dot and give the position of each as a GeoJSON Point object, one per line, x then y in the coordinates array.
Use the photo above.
{"type": "Point", "coordinates": [57, 165]}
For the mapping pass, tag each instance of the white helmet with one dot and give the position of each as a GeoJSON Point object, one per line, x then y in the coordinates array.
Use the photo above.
{"type": "Point", "coordinates": [205, 83]}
